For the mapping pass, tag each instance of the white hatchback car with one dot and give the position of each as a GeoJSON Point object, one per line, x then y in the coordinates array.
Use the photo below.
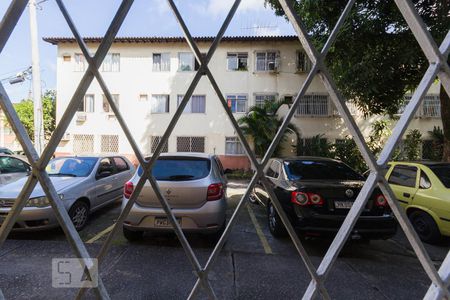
{"type": "Point", "coordinates": [194, 184]}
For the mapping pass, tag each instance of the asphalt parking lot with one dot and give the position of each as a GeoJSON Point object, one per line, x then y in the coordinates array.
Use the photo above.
{"type": "Point", "coordinates": [252, 265]}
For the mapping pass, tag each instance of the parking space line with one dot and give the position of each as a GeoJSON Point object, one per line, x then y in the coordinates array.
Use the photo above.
{"type": "Point", "coordinates": [100, 234]}
{"type": "Point", "coordinates": [259, 232]}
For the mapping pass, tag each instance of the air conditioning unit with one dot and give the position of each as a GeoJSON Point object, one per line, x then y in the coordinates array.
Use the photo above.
{"type": "Point", "coordinates": [66, 137]}
{"type": "Point", "coordinates": [274, 66]}
{"type": "Point", "coordinates": [81, 117]}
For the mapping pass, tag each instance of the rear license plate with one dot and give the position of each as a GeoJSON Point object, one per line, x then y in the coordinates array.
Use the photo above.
{"type": "Point", "coordinates": [343, 204]}
{"type": "Point", "coordinates": [164, 222]}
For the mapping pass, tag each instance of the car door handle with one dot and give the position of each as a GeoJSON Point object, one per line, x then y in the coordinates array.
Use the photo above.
{"type": "Point", "coordinates": [407, 195]}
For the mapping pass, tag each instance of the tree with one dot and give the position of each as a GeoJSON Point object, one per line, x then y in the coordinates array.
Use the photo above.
{"type": "Point", "coordinates": [261, 123]}
{"type": "Point", "coordinates": [375, 58]}
{"type": "Point", "coordinates": [25, 112]}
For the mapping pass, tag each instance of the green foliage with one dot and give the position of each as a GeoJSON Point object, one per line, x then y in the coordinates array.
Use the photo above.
{"type": "Point", "coordinates": [347, 151]}
{"type": "Point", "coordinates": [375, 58]}
{"type": "Point", "coordinates": [240, 174]}
{"type": "Point", "coordinates": [379, 133]}
{"type": "Point", "coordinates": [413, 145]}
{"type": "Point", "coordinates": [25, 112]}
{"type": "Point", "coordinates": [262, 123]}
{"type": "Point", "coordinates": [316, 146]}
{"type": "Point", "coordinates": [434, 149]}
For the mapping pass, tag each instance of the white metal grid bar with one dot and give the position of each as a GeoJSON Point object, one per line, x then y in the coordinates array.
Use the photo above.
{"type": "Point", "coordinates": [439, 66]}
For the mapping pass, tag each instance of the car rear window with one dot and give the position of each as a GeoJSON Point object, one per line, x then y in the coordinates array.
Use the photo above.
{"type": "Point", "coordinates": [443, 173]}
{"type": "Point", "coordinates": [180, 168]}
{"type": "Point", "coordinates": [320, 170]}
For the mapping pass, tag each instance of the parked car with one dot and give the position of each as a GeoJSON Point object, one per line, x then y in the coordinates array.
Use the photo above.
{"type": "Point", "coordinates": [194, 184]}
{"type": "Point", "coordinates": [85, 184]}
{"type": "Point", "coordinates": [4, 150]}
{"type": "Point", "coordinates": [423, 189]}
{"type": "Point", "coordinates": [12, 168]}
{"type": "Point", "coordinates": [316, 194]}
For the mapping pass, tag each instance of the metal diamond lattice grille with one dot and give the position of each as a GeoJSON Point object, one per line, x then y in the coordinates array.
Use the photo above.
{"type": "Point", "coordinates": [109, 143]}
{"type": "Point", "coordinates": [267, 61]}
{"type": "Point", "coordinates": [83, 143]}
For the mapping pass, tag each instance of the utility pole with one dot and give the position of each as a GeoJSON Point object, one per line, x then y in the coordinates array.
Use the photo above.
{"type": "Point", "coordinates": [37, 97]}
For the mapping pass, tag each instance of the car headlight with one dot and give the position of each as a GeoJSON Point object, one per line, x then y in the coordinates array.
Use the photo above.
{"type": "Point", "coordinates": [38, 202]}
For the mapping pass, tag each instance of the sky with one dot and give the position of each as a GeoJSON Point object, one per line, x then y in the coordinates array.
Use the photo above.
{"type": "Point", "coordinates": [146, 18]}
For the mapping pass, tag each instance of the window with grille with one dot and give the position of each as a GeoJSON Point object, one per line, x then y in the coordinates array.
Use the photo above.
{"type": "Point", "coordinates": [88, 104]}
{"type": "Point", "coordinates": [303, 62]}
{"type": "Point", "coordinates": [83, 143]}
{"type": "Point", "coordinates": [161, 62]}
{"type": "Point", "coordinates": [233, 146]}
{"type": "Point", "coordinates": [106, 106]}
{"type": "Point", "coordinates": [197, 104]}
{"type": "Point", "coordinates": [237, 103]}
{"type": "Point", "coordinates": [110, 143]}
{"type": "Point", "coordinates": [266, 61]}
{"type": "Point", "coordinates": [237, 61]}
{"type": "Point", "coordinates": [111, 63]}
{"type": "Point", "coordinates": [80, 62]}
{"type": "Point", "coordinates": [190, 144]}
{"type": "Point", "coordinates": [314, 105]}
{"type": "Point", "coordinates": [430, 107]}
{"type": "Point", "coordinates": [154, 141]}
{"type": "Point", "coordinates": [261, 99]}
{"type": "Point", "coordinates": [159, 104]}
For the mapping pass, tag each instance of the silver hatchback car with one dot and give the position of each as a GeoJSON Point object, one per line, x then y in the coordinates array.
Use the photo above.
{"type": "Point", "coordinates": [194, 184]}
{"type": "Point", "coordinates": [84, 184]}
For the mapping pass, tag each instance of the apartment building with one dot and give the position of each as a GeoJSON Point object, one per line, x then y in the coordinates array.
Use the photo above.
{"type": "Point", "coordinates": [148, 77]}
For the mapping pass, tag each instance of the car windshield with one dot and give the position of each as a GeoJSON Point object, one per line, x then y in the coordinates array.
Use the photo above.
{"type": "Point", "coordinates": [443, 173]}
{"type": "Point", "coordinates": [180, 168]}
{"type": "Point", "coordinates": [320, 170]}
{"type": "Point", "coordinates": [71, 166]}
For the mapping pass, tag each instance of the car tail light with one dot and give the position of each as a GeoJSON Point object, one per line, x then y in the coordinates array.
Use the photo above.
{"type": "Point", "coordinates": [303, 199]}
{"type": "Point", "coordinates": [380, 200]}
{"type": "Point", "coordinates": [128, 189]}
{"type": "Point", "coordinates": [215, 191]}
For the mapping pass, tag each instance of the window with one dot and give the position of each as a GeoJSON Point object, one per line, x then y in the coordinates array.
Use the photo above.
{"type": "Point", "coordinates": [110, 143]}
{"type": "Point", "coordinates": [314, 105]}
{"type": "Point", "coordinates": [190, 144]}
{"type": "Point", "coordinates": [83, 143]}
{"type": "Point", "coordinates": [67, 58]}
{"type": "Point", "coordinates": [106, 106]}
{"type": "Point", "coordinates": [161, 62]}
{"type": "Point", "coordinates": [303, 62]}
{"type": "Point", "coordinates": [12, 165]}
{"type": "Point", "coordinates": [237, 61]}
{"type": "Point", "coordinates": [404, 176]}
{"type": "Point", "coordinates": [111, 63]}
{"type": "Point", "coordinates": [273, 170]}
{"type": "Point", "coordinates": [430, 107]}
{"type": "Point", "coordinates": [106, 168]}
{"type": "Point", "coordinates": [168, 168]}
{"type": "Point", "coordinates": [261, 99]}
{"type": "Point", "coordinates": [159, 104]}
{"type": "Point", "coordinates": [196, 104]}
{"type": "Point", "coordinates": [154, 140]}
{"type": "Point", "coordinates": [266, 61]}
{"type": "Point", "coordinates": [143, 97]}
{"type": "Point", "coordinates": [233, 146]}
{"type": "Point", "coordinates": [88, 104]}
{"type": "Point", "coordinates": [186, 61]}
{"type": "Point", "coordinates": [424, 182]}
{"type": "Point", "coordinates": [237, 103]}
{"type": "Point", "coordinates": [121, 164]}
{"type": "Point", "coordinates": [80, 62]}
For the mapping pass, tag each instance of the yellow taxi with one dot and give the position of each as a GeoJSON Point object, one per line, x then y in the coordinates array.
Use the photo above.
{"type": "Point", "coordinates": [423, 189]}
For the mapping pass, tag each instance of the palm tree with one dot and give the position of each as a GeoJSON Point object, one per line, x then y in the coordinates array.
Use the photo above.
{"type": "Point", "coordinates": [262, 123]}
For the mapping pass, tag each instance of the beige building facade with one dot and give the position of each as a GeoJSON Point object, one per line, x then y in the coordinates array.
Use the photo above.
{"type": "Point", "coordinates": [149, 76]}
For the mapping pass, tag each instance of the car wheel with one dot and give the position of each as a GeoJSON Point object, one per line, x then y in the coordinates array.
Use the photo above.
{"type": "Point", "coordinates": [131, 235]}
{"type": "Point", "coordinates": [425, 227]}
{"type": "Point", "coordinates": [79, 214]}
{"type": "Point", "coordinates": [276, 226]}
